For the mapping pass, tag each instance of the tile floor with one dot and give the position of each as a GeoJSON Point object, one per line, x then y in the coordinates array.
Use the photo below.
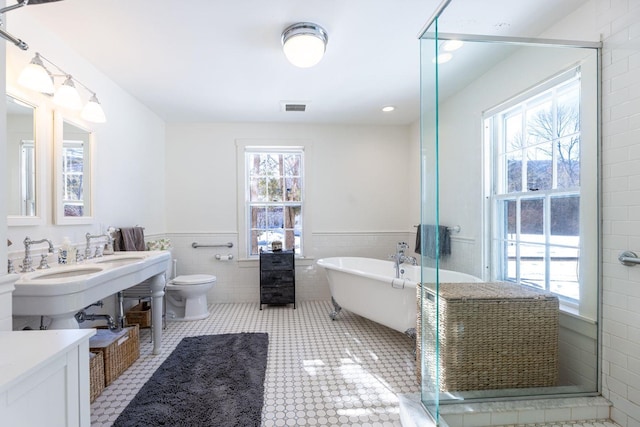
{"type": "Point", "coordinates": [320, 372]}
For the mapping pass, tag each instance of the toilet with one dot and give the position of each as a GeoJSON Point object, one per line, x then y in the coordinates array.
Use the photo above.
{"type": "Point", "coordinates": [186, 296]}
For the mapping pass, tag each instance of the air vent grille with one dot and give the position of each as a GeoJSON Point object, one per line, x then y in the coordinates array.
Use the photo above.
{"type": "Point", "coordinates": [295, 107]}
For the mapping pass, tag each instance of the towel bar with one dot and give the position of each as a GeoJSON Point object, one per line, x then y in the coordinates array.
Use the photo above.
{"type": "Point", "coordinates": [629, 258]}
{"type": "Point", "coordinates": [221, 245]}
{"type": "Point", "coordinates": [454, 229]}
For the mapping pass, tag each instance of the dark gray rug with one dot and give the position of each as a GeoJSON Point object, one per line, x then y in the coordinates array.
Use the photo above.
{"type": "Point", "coordinates": [211, 380]}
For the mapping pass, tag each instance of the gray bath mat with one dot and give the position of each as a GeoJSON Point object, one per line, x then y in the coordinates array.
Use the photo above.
{"type": "Point", "coordinates": [211, 380]}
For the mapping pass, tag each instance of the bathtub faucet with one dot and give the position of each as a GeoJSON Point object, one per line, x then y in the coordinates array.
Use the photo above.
{"type": "Point", "coordinates": [399, 257]}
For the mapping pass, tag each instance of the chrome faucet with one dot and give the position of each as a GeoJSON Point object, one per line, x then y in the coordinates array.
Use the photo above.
{"type": "Point", "coordinates": [399, 257]}
{"type": "Point", "coordinates": [27, 263]}
{"type": "Point", "coordinates": [87, 249]}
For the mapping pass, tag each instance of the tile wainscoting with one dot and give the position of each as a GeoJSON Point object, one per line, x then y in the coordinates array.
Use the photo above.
{"type": "Point", "coordinates": [238, 279]}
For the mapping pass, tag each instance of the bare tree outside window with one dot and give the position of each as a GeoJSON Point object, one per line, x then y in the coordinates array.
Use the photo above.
{"type": "Point", "coordinates": [275, 199]}
{"type": "Point", "coordinates": [538, 144]}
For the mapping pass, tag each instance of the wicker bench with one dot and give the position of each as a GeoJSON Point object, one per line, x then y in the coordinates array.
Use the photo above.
{"type": "Point", "coordinates": [492, 336]}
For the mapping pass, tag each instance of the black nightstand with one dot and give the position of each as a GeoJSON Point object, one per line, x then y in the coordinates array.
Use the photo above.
{"type": "Point", "coordinates": [277, 278]}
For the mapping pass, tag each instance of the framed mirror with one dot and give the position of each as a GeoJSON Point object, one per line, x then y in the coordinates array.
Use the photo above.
{"type": "Point", "coordinates": [73, 169]}
{"type": "Point", "coordinates": [24, 171]}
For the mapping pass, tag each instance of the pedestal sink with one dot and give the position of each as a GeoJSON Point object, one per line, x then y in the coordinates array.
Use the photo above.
{"type": "Point", "coordinates": [72, 272]}
{"type": "Point", "coordinates": [62, 291]}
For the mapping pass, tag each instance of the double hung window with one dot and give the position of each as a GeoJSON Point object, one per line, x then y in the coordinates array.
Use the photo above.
{"type": "Point", "coordinates": [274, 198]}
{"type": "Point", "coordinates": [535, 188]}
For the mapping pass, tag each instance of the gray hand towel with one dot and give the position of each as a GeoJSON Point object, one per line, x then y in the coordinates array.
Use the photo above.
{"type": "Point", "coordinates": [130, 239]}
{"type": "Point", "coordinates": [436, 240]}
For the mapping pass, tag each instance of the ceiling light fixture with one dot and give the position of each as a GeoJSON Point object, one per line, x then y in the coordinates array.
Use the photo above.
{"type": "Point", "coordinates": [451, 45]}
{"type": "Point", "coordinates": [304, 44]}
{"type": "Point", "coordinates": [442, 58]}
{"type": "Point", "coordinates": [388, 108]}
{"type": "Point", "coordinates": [36, 76]}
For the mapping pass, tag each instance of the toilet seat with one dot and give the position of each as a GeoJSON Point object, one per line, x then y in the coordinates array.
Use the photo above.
{"type": "Point", "coordinates": [193, 279]}
{"type": "Point", "coordinates": [186, 296]}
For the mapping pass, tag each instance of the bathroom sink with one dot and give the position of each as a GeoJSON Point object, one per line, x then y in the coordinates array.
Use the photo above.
{"type": "Point", "coordinates": [62, 291]}
{"type": "Point", "coordinates": [67, 273]}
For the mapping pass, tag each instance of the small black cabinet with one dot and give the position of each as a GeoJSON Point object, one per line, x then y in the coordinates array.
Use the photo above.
{"type": "Point", "coordinates": [277, 278]}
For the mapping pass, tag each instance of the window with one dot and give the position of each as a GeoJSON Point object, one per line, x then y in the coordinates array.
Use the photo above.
{"type": "Point", "coordinates": [274, 178]}
{"type": "Point", "coordinates": [73, 178]}
{"type": "Point", "coordinates": [535, 189]}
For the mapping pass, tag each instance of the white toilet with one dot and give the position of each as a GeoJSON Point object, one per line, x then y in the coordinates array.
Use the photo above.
{"type": "Point", "coordinates": [186, 297]}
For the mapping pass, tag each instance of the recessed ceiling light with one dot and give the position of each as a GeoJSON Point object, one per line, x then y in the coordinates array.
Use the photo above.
{"type": "Point", "coordinates": [388, 108]}
{"type": "Point", "coordinates": [442, 58]}
{"type": "Point", "coordinates": [451, 45]}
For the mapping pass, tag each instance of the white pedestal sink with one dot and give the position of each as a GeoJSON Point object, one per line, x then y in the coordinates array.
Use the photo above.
{"type": "Point", "coordinates": [62, 291]}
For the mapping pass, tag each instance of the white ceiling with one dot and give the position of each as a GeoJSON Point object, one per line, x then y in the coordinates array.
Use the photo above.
{"type": "Point", "coordinates": [221, 60]}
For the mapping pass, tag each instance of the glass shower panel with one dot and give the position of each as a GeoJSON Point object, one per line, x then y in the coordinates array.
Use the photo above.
{"type": "Point", "coordinates": [427, 331]}
{"type": "Point", "coordinates": [504, 157]}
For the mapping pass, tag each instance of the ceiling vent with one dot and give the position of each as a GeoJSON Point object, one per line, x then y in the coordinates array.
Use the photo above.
{"type": "Point", "coordinates": [300, 106]}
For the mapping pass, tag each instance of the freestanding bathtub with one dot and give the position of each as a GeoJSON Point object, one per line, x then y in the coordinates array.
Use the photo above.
{"type": "Point", "coordinates": [368, 287]}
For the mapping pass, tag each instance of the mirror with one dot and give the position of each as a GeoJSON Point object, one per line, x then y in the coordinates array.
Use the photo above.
{"type": "Point", "coordinates": [22, 163]}
{"type": "Point", "coordinates": [73, 172]}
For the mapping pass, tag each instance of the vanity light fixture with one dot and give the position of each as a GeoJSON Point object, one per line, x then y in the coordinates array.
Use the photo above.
{"type": "Point", "coordinates": [304, 43]}
{"type": "Point", "coordinates": [67, 95]}
{"type": "Point", "coordinates": [36, 76]}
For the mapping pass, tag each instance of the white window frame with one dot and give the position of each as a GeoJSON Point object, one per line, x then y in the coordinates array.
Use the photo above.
{"type": "Point", "coordinates": [244, 221]}
{"type": "Point", "coordinates": [589, 192]}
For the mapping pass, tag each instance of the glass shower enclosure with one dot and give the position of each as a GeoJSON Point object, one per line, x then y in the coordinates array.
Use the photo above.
{"type": "Point", "coordinates": [508, 306]}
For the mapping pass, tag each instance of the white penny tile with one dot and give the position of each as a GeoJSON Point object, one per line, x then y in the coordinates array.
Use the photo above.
{"type": "Point", "coordinates": [348, 372]}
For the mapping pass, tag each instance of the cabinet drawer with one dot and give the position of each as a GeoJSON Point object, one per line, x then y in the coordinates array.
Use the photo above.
{"type": "Point", "coordinates": [276, 262]}
{"type": "Point", "coordinates": [276, 296]}
{"type": "Point", "coordinates": [276, 278]}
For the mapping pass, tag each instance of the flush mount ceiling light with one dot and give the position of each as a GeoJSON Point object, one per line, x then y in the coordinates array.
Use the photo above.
{"type": "Point", "coordinates": [36, 76]}
{"type": "Point", "coordinates": [304, 44]}
{"type": "Point", "coordinates": [442, 58]}
{"type": "Point", "coordinates": [451, 45]}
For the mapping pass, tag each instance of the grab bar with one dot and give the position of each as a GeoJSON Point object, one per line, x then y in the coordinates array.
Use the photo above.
{"type": "Point", "coordinates": [629, 258]}
{"type": "Point", "coordinates": [195, 245]}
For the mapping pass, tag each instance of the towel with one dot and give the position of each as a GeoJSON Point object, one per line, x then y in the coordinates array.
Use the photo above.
{"type": "Point", "coordinates": [437, 240]}
{"type": "Point", "coordinates": [129, 239]}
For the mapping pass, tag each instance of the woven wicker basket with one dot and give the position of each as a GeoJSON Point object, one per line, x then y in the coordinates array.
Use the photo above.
{"type": "Point", "coordinates": [118, 350]}
{"type": "Point", "coordinates": [140, 315]}
{"type": "Point", "coordinates": [491, 336]}
{"type": "Point", "coordinates": [96, 375]}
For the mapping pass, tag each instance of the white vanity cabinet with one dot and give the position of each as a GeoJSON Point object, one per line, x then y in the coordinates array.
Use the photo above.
{"type": "Point", "coordinates": [44, 378]}
{"type": "Point", "coordinates": [7, 287]}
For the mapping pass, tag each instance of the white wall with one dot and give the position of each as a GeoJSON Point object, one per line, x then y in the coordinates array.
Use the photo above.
{"type": "Point", "coordinates": [129, 152]}
{"type": "Point", "coordinates": [3, 166]}
{"type": "Point", "coordinates": [619, 23]}
{"type": "Point", "coordinates": [359, 180]}
{"type": "Point", "coordinates": [357, 192]}
{"type": "Point", "coordinates": [129, 149]}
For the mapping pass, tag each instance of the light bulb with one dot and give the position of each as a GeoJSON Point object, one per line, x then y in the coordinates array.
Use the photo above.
{"type": "Point", "coordinates": [67, 96]}
{"type": "Point", "coordinates": [93, 112]}
{"type": "Point", "coordinates": [36, 77]}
